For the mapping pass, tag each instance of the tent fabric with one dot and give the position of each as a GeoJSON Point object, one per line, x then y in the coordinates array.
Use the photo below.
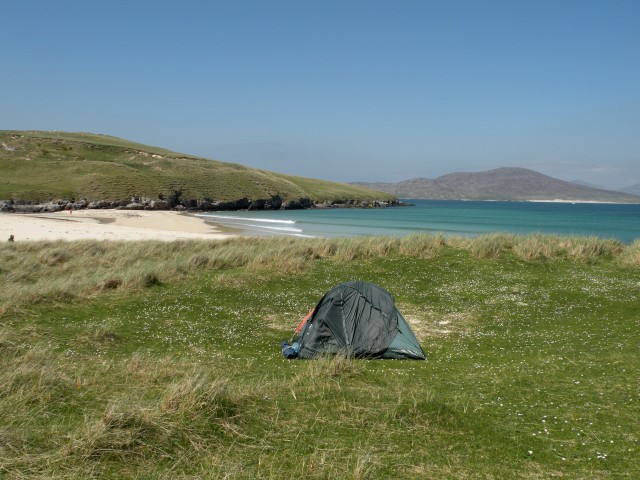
{"type": "Point", "coordinates": [405, 345]}
{"type": "Point", "coordinates": [360, 319]}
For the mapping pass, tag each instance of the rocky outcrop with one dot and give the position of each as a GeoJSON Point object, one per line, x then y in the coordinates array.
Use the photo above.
{"type": "Point", "coordinates": [179, 204]}
{"type": "Point", "coordinates": [99, 204]}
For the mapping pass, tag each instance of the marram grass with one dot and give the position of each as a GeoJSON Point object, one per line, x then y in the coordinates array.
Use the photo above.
{"type": "Point", "coordinates": [161, 360]}
{"type": "Point", "coordinates": [37, 272]}
{"type": "Point", "coordinates": [631, 255]}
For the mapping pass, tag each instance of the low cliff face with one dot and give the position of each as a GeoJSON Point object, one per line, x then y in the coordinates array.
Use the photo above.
{"type": "Point", "coordinates": [142, 203]}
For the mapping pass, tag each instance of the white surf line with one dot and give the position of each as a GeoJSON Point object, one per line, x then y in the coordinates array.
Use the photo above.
{"type": "Point", "coordinates": [294, 232]}
{"type": "Point", "coordinates": [263, 228]}
{"type": "Point", "coordinates": [251, 219]}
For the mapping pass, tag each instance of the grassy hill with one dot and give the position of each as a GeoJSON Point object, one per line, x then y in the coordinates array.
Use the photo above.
{"type": "Point", "coordinates": [40, 166]}
{"type": "Point", "coordinates": [157, 361]}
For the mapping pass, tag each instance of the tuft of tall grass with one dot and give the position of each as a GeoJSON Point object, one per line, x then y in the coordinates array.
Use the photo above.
{"type": "Point", "coordinates": [581, 249]}
{"type": "Point", "coordinates": [630, 256]}
{"type": "Point", "coordinates": [149, 370]}
{"type": "Point", "coordinates": [97, 337]}
{"type": "Point", "coordinates": [182, 419]}
{"type": "Point", "coordinates": [321, 249]}
{"type": "Point", "coordinates": [422, 246]}
{"type": "Point", "coordinates": [537, 247]}
{"type": "Point", "coordinates": [365, 466]}
{"type": "Point", "coordinates": [199, 394]}
{"type": "Point", "coordinates": [485, 246]}
{"type": "Point", "coordinates": [283, 255]}
{"type": "Point", "coordinates": [332, 367]}
{"type": "Point", "coordinates": [7, 343]}
{"type": "Point", "coordinates": [124, 430]}
{"type": "Point", "coordinates": [589, 249]}
{"type": "Point", "coordinates": [350, 249]}
{"type": "Point", "coordinates": [429, 411]}
{"type": "Point", "coordinates": [32, 376]}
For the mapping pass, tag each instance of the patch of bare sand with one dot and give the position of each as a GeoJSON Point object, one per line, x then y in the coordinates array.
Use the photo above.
{"type": "Point", "coordinates": [429, 323]}
{"type": "Point", "coordinates": [107, 225]}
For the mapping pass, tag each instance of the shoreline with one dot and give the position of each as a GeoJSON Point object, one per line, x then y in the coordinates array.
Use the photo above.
{"type": "Point", "coordinates": [118, 225]}
{"type": "Point", "coordinates": [559, 200]}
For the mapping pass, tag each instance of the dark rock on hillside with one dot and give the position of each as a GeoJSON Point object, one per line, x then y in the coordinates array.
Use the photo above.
{"type": "Point", "coordinates": [27, 208]}
{"type": "Point", "coordinates": [134, 206]}
{"type": "Point", "coordinates": [99, 204]}
{"type": "Point", "coordinates": [241, 204]}
{"type": "Point", "coordinates": [273, 203]}
{"type": "Point", "coordinates": [301, 203]}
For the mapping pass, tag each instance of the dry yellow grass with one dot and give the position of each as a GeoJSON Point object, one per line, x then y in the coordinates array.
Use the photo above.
{"type": "Point", "coordinates": [31, 273]}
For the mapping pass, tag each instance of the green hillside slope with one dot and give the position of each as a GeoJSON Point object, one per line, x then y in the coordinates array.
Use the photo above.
{"type": "Point", "coordinates": [40, 166]}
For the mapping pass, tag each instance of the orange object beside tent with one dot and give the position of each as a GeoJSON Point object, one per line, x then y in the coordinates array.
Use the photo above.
{"type": "Point", "coordinates": [304, 320]}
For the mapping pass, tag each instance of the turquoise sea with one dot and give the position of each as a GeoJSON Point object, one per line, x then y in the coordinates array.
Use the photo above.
{"type": "Point", "coordinates": [449, 217]}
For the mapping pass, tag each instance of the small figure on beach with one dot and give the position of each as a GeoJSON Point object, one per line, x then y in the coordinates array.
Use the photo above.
{"type": "Point", "coordinates": [11, 238]}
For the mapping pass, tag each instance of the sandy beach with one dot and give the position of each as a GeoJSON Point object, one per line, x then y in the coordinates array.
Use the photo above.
{"type": "Point", "coordinates": [107, 225]}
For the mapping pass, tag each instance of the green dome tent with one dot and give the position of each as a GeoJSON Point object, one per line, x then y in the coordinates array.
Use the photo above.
{"type": "Point", "coordinates": [360, 319]}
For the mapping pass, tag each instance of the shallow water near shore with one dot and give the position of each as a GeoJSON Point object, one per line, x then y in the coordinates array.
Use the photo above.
{"type": "Point", "coordinates": [449, 217]}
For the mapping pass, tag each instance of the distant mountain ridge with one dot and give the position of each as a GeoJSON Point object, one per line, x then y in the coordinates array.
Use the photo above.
{"type": "Point", "coordinates": [633, 189]}
{"type": "Point", "coordinates": [506, 183]}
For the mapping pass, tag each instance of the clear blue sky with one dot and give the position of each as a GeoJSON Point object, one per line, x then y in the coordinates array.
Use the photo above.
{"type": "Point", "coordinates": [343, 90]}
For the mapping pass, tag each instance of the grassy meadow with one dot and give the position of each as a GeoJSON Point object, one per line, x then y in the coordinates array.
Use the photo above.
{"type": "Point", "coordinates": [161, 360]}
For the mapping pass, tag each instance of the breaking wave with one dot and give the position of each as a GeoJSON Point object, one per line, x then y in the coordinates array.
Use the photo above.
{"type": "Point", "coordinates": [247, 219]}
